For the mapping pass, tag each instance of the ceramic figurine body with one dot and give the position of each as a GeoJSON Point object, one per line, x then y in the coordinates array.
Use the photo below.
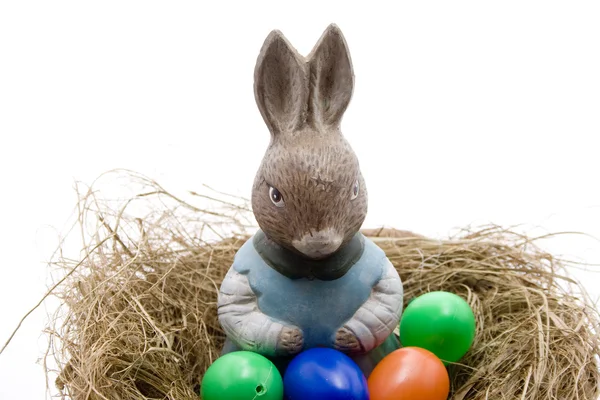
{"type": "Point", "coordinates": [308, 278]}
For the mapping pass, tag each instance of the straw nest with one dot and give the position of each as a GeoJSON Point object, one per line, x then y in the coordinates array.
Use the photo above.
{"type": "Point", "coordinates": [138, 315]}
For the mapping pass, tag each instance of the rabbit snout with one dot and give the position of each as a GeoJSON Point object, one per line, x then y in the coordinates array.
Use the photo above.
{"type": "Point", "coordinates": [319, 244]}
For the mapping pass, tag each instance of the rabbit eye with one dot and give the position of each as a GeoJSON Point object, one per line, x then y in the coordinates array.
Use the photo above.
{"type": "Point", "coordinates": [276, 196]}
{"type": "Point", "coordinates": [355, 190]}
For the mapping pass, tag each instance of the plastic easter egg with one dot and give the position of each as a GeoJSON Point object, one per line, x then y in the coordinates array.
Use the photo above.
{"type": "Point", "coordinates": [242, 375]}
{"type": "Point", "coordinates": [440, 322]}
{"type": "Point", "coordinates": [323, 373]}
{"type": "Point", "coordinates": [410, 373]}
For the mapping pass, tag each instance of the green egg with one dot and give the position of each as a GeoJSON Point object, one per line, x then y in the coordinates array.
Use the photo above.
{"type": "Point", "coordinates": [242, 375]}
{"type": "Point", "coordinates": [440, 322]}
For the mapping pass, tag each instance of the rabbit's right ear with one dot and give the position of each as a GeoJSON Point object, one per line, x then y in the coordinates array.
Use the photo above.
{"type": "Point", "coordinates": [281, 85]}
{"type": "Point", "coordinates": [332, 77]}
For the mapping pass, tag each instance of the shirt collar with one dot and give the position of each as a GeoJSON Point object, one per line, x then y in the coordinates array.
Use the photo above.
{"type": "Point", "coordinates": [295, 266]}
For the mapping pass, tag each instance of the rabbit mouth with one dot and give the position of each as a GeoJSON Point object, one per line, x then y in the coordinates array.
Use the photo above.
{"type": "Point", "coordinates": [318, 245]}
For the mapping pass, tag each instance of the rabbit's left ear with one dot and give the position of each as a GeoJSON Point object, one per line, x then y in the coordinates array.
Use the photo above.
{"type": "Point", "coordinates": [281, 85]}
{"type": "Point", "coordinates": [332, 78]}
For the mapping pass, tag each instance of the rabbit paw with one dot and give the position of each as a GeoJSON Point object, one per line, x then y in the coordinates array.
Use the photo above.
{"type": "Point", "coordinates": [347, 342]}
{"type": "Point", "coordinates": [290, 341]}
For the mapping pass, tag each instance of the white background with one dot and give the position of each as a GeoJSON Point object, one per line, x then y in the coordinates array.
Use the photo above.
{"type": "Point", "coordinates": [463, 113]}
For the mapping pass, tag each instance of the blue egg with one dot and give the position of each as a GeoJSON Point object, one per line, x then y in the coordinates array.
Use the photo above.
{"type": "Point", "coordinates": [323, 373]}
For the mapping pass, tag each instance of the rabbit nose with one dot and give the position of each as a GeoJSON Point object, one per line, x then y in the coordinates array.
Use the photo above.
{"type": "Point", "coordinates": [319, 244]}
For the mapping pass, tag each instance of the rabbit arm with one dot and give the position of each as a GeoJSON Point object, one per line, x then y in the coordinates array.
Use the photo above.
{"type": "Point", "coordinates": [245, 324]}
{"type": "Point", "coordinates": [379, 315]}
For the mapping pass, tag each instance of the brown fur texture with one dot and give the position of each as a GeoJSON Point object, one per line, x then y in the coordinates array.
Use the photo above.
{"type": "Point", "coordinates": [302, 101]}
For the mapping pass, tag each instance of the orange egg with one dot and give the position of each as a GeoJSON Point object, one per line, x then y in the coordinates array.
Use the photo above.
{"type": "Point", "coordinates": [410, 373]}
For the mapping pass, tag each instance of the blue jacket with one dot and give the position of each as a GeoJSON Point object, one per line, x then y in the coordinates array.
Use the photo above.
{"type": "Point", "coordinates": [316, 296]}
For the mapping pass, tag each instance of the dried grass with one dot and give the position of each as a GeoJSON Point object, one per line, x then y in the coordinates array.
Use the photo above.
{"type": "Point", "coordinates": [139, 313]}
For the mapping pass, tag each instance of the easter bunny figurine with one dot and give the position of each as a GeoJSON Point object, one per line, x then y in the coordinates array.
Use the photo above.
{"type": "Point", "coordinates": [308, 278]}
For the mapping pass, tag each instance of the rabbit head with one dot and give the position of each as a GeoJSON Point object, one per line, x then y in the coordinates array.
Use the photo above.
{"type": "Point", "coordinates": [309, 195]}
